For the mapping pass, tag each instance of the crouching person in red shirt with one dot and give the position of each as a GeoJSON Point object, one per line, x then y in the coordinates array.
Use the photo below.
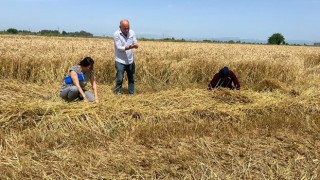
{"type": "Point", "coordinates": [224, 78]}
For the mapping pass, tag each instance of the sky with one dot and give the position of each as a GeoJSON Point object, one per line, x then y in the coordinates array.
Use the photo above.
{"type": "Point", "coordinates": [197, 19]}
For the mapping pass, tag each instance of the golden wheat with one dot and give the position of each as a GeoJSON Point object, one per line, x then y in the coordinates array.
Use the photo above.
{"type": "Point", "coordinates": [173, 127]}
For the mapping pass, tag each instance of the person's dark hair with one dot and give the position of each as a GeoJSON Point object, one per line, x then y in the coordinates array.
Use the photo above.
{"type": "Point", "coordinates": [224, 71]}
{"type": "Point", "coordinates": [87, 61]}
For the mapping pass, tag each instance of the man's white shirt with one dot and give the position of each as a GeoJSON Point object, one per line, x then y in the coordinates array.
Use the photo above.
{"type": "Point", "coordinates": [120, 43]}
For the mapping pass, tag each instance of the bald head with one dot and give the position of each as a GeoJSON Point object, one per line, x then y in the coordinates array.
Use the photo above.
{"type": "Point", "coordinates": [124, 22]}
{"type": "Point", "coordinates": [124, 26]}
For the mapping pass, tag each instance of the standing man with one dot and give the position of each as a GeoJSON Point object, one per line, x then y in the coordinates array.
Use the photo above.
{"type": "Point", "coordinates": [124, 42]}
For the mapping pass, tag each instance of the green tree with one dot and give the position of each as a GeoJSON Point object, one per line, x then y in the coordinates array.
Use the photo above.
{"type": "Point", "coordinates": [276, 38]}
{"type": "Point", "coordinates": [12, 31]}
{"type": "Point", "coordinates": [85, 34]}
{"type": "Point", "coordinates": [50, 32]}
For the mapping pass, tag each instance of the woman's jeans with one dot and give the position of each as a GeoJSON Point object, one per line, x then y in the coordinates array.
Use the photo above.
{"type": "Point", "coordinates": [130, 69]}
{"type": "Point", "coordinates": [71, 93]}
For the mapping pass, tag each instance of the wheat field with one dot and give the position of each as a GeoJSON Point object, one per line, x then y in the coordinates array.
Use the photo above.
{"type": "Point", "coordinates": [173, 128]}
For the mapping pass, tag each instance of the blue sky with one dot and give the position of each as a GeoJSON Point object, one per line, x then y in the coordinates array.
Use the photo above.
{"type": "Point", "coordinates": [245, 19]}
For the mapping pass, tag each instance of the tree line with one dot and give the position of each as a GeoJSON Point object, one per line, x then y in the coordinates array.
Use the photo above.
{"type": "Point", "coordinates": [276, 38]}
{"type": "Point", "coordinates": [48, 33]}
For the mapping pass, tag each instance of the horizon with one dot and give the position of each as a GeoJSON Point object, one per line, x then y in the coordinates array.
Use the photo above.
{"type": "Point", "coordinates": [296, 20]}
{"type": "Point", "coordinates": [190, 39]}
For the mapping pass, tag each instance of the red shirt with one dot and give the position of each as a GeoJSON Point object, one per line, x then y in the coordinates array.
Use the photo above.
{"type": "Point", "coordinates": [219, 81]}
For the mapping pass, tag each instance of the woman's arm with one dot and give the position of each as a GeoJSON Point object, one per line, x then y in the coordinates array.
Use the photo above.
{"type": "Point", "coordinates": [75, 80]}
{"type": "Point", "coordinates": [94, 88]}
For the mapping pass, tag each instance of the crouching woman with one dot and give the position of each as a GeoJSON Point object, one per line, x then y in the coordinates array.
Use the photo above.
{"type": "Point", "coordinates": [75, 82]}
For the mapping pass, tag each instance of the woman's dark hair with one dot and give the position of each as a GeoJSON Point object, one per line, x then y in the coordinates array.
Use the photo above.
{"type": "Point", "coordinates": [87, 61]}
